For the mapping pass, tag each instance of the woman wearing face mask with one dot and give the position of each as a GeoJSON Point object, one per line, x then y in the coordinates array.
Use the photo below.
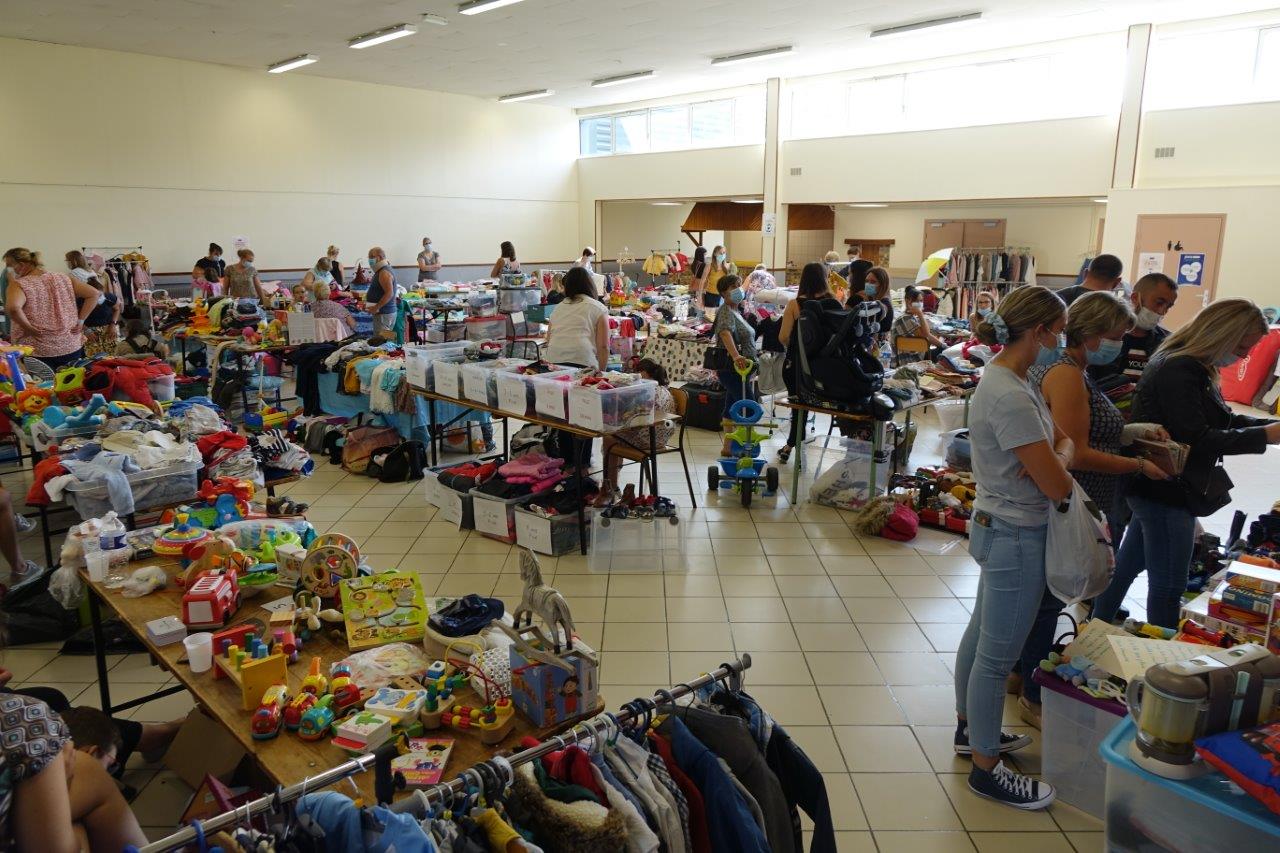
{"type": "Point", "coordinates": [913, 324]}
{"type": "Point", "coordinates": [1096, 325]}
{"type": "Point", "coordinates": [983, 304]}
{"type": "Point", "coordinates": [1020, 461]}
{"type": "Point", "coordinates": [428, 261]}
{"type": "Point", "coordinates": [242, 278]}
{"type": "Point", "coordinates": [1179, 391]}
{"type": "Point", "coordinates": [732, 332]}
{"type": "Point", "coordinates": [875, 289]}
{"type": "Point", "coordinates": [716, 270]}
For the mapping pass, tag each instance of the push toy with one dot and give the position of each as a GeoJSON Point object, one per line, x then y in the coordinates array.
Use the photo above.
{"type": "Point", "coordinates": [346, 695]}
{"type": "Point", "coordinates": [176, 539]}
{"type": "Point", "coordinates": [266, 721]}
{"type": "Point", "coordinates": [493, 722]}
{"type": "Point", "coordinates": [297, 706]}
{"type": "Point", "coordinates": [253, 666]}
{"type": "Point", "coordinates": [746, 429]}
{"type": "Point", "coordinates": [211, 600]}
{"type": "Point", "coordinates": [315, 682]}
{"type": "Point", "coordinates": [317, 720]}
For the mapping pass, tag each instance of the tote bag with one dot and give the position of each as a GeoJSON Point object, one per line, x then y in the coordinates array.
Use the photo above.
{"type": "Point", "coordinates": [361, 443]}
{"type": "Point", "coordinates": [1078, 560]}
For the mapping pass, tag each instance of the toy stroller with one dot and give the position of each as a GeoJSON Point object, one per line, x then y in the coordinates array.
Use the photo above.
{"type": "Point", "coordinates": [746, 429]}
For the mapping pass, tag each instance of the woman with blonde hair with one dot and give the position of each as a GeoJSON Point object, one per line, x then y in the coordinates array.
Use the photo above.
{"type": "Point", "coordinates": [1179, 391]}
{"type": "Point", "coordinates": [718, 268]}
{"type": "Point", "coordinates": [42, 308]}
{"type": "Point", "coordinates": [321, 273]}
{"type": "Point", "coordinates": [1020, 462]}
{"type": "Point", "coordinates": [335, 266]}
{"type": "Point", "coordinates": [242, 278]}
{"type": "Point", "coordinates": [100, 326]}
{"type": "Point", "coordinates": [324, 308]}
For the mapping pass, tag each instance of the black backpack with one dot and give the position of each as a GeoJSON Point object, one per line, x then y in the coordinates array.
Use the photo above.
{"type": "Point", "coordinates": [401, 464]}
{"type": "Point", "coordinates": [832, 364]}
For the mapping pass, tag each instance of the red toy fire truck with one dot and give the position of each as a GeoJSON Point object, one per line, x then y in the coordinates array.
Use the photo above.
{"type": "Point", "coordinates": [211, 600]}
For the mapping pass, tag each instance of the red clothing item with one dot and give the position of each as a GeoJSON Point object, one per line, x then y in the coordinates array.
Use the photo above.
{"type": "Point", "coordinates": [216, 447]}
{"type": "Point", "coordinates": [698, 831]}
{"type": "Point", "coordinates": [571, 764]}
{"type": "Point", "coordinates": [127, 376]}
{"type": "Point", "coordinates": [44, 471]}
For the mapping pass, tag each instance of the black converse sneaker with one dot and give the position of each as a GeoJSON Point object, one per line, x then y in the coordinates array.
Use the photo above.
{"type": "Point", "coordinates": [1013, 789]}
{"type": "Point", "coordinates": [1008, 742]}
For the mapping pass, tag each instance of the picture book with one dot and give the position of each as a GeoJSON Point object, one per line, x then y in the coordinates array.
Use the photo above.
{"type": "Point", "coordinates": [384, 608]}
{"type": "Point", "coordinates": [423, 765]}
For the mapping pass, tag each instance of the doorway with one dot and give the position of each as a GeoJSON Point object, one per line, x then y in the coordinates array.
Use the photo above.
{"type": "Point", "coordinates": [962, 233]}
{"type": "Point", "coordinates": [1188, 249]}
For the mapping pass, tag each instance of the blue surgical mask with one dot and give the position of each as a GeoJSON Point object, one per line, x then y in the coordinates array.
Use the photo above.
{"type": "Point", "coordinates": [1048, 355]}
{"type": "Point", "coordinates": [373, 262]}
{"type": "Point", "coordinates": [720, 258]}
{"type": "Point", "coordinates": [869, 289]}
{"type": "Point", "coordinates": [736, 295]}
{"type": "Point", "coordinates": [1107, 352]}
{"type": "Point", "coordinates": [984, 313]}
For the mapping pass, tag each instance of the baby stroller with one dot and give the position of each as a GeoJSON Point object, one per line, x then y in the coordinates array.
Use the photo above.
{"type": "Point", "coordinates": [742, 468]}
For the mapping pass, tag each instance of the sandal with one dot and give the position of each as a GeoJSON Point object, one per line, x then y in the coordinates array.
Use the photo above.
{"type": "Point", "coordinates": [784, 453]}
{"type": "Point", "coordinates": [284, 506]}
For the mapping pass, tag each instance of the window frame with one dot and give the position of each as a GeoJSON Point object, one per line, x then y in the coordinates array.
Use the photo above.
{"type": "Point", "coordinates": [734, 137]}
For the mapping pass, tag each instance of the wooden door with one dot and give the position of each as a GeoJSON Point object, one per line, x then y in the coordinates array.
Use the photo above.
{"type": "Point", "coordinates": [1179, 239]}
{"type": "Point", "coordinates": [981, 233]}
{"type": "Point", "coordinates": [942, 234]}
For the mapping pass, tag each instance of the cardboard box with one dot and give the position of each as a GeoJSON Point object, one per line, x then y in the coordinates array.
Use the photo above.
{"type": "Point", "coordinates": [203, 746]}
{"type": "Point", "coordinates": [549, 695]}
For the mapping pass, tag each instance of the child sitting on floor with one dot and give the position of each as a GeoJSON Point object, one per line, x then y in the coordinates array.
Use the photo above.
{"type": "Point", "coordinates": [138, 339]}
{"type": "Point", "coordinates": [637, 438]}
{"type": "Point", "coordinates": [95, 734]}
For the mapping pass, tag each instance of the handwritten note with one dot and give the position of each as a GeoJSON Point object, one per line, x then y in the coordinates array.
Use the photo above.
{"type": "Point", "coordinates": [1126, 656]}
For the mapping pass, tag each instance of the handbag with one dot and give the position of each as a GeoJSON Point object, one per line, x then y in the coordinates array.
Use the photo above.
{"type": "Point", "coordinates": [1207, 498]}
{"type": "Point", "coordinates": [1078, 558]}
{"type": "Point", "coordinates": [717, 358]}
{"type": "Point", "coordinates": [362, 442]}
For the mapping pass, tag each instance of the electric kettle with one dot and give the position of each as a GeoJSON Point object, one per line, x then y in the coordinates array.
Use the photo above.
{"type": "Point", "coordinates": [1175, 703]}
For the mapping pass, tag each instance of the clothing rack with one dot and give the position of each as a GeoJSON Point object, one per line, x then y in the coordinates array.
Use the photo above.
{"type": "Point", "coordinates": [730, 671]}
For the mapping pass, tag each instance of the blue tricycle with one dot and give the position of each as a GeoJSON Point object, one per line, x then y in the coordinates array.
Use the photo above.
{"type": "Point", "coordinates": [746, 429]}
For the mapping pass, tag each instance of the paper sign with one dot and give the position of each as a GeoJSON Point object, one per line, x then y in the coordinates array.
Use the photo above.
{"type": "Point", "coordinates": [1191, 268]}
{"type": "Point", "coordinates": [1149, 262]}
{"type": "Point", "coordinates": [240, 242]}
{"type": "Point", "coordinates": [1121, 654]}
{"type": "Point", "coordinates": [512, 396]}
{"type": "Point", "coordinates": [450, 506]}
{"type": "Point", "coordinates": [491, 517]}
{"type": "Point", "coordinates": [533, 532]}
{"type": "Point", "coordinates": [475, 383]}
{"type": "Point", "coordinates": [415, 366]}
{"type": "Point", "coordinates": [549, 399]}
{"type": "Point", "coordinates": [584, 408]}
{"type": "Point", "coordinates": [769, 224]}
{"type": "Point", "coordinates": [517, 317]}
{"type": "Point", "coordinates": [301, 327]}
{"type": "Point", "coordinates": [279, 605]}
{"type": "Point", "coordinates": [446, 376]}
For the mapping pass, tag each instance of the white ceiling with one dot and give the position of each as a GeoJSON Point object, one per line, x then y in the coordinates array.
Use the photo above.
{"type": "Point", "coordinates": [564, 44]}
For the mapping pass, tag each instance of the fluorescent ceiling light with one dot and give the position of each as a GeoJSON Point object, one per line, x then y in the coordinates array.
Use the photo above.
{"type": "Point", "coordinates": [380, 36]}
{"type": "Point", "coordinates": [434, 20]}
{"type": "Point", "coordinates": [868, 204]}
{"type": "Point", "coordinates": [621, 78]}
{"type": "Point", "coordinates": [751, 56]}
{"type": "Point", "coordinates": [290, 64]}
{"type": "Point", "coordinates": [1100, 201]}
{"type": "Point", "coordinates": [916, 26]}
{"type": "Point", "coordinates": [526, 96]}
{"type": "Point", "coordinates": [746, 201]}
{"type": "Point", "coordinates": [475, 7]}
{"type": "Point", "coordinates": [666, 203]}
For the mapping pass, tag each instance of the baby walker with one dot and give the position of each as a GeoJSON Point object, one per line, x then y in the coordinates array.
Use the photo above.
{"type": "Point", "coordinates": [746, 429]}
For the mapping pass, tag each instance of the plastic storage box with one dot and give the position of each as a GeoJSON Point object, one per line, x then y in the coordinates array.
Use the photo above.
{"type": "Point", "coordinates": [482, 303]}
{"type": "Point", "coordinates": [162, 388]}
{"type": "Point", "coordinates": [636, 544]}
{"type": "Point", "coordinates": [152, 489]}
{"type": "Point", "coordinates": [479, 378]}
{"type": "Point", "coordinates": [486, 328]}
{"type": "Point", "coordinates": [614, 408]}
{"type": "Point", "coordinates": [518, 298]}
{"type": "Point", "coordinates": [517, 394]}
{"type": "Point", "coordinates": [953, 414]}
{"type": "Point", "coordinates": [1074, 726]}
{"type": "Point", "coordinates": [551, 396]}
{"type": "Point", "coordinates": [446, 376]}
{"type": "Point", "coordinates": [418, 358]}
{"type": "Point", "coordinates": [553, 535]}
{"type": "Point", "coordinates": [438, 331]}
{"type": "Point", "coordinates": [451, 505]}
{"type": "Point", "coordinates": [495, 517]}
{"type": "Point", "coordinates": [1149, 812]}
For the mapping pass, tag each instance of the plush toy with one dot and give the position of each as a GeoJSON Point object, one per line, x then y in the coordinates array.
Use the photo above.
{"type": "Point", "coordinates": [58, 416]}
{"type": "Point", "coordinates": [200, 323]}
{"type": "Point", "coordinates": [241, 490]}
{"type": "Point", "coordinates": [205, 557]}
{"type": "Point", "coordinates": [251, 336]}
{"type": "Point", "coordinates": [33, 401]}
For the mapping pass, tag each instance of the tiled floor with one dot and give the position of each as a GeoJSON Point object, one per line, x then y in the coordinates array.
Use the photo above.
{"type": "Point", "coordinates": [852, 641]}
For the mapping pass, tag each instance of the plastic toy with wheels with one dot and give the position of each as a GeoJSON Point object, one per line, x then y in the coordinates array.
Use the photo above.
{"type": "Point", "coordinates": [743, 470]}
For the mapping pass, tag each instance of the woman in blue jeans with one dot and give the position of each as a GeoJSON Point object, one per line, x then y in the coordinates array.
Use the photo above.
{"type": "Point", "coordinates": [1020, 462]}
{"type": "Point", "coordinates": [732, 332]}
{"type": "Point", "coordinates": [1179, 390]}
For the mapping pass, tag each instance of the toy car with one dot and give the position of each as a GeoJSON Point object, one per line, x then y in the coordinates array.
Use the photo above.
{"type": "Point", "coordinates": [298, 706]}
{"type": "Point", "coordinates": [315, 682]}
{"type": "Point", "coordinates": [317, 720]}
{"type": "Point", "coordinates": [211, 600]}
{"type": "Point", "coordinates": [344, 692]}
{"type": "Point", "coordinates": [266, 721]}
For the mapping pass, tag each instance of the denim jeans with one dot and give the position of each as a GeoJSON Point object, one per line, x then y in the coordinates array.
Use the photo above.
{"type": "Point", "coordinates": [1039, 643]}
{"type": "Point", "coordinates": [1158, 539]}
{"type": "Point", "coordinates": [1010, 589]}
{"type": "Point", "coordinates": [733, 387]}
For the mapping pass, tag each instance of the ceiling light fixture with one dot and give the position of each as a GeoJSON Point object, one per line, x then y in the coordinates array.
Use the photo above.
{"type": "Point", "coordinates": [434, 20]}
{"type": "Point", "coordinates": [869, 204]}
{"type": "Point", "coordinates": [666, 203]}
{"type": "Point", "coordinates": [475, 7]}
{"type": "Point", "coordinates": [621, 78]}
{"type": "Point", "coordinates": [399, 31]}
{"type": "Point", "coordinates": [526, 96]}
{"type": "Point", "coordinates": [1100, 201]}
{"type": "Point", "coordinates": [290, 64]}
{"type": "Point", "coordinates": [916, 26]}
{"type": "Point", "coordinates": [746, 201]}
{"type": "Point", "coordinates": [751, 56]}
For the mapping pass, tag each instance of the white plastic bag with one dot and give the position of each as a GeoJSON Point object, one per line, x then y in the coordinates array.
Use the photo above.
{"type": "Point", "coordinates": [1078, 560]}
{"type": "Point", "coordinates": [66, 587]}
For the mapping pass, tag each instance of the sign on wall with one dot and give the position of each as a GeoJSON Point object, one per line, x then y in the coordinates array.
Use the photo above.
{"type": "Point", "coordinates": [769, 224]}
{"type": "Point", "coordinates": [1191, 268]}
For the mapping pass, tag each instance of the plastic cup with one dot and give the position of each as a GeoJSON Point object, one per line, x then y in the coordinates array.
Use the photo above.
{"type": "Point", "coordinates": [97, 562]}
{"type": "Point", "coordinates": [199, 651]}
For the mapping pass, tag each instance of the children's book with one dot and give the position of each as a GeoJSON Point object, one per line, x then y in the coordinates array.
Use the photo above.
{"type": "Point", "coordinates": [423, 765]}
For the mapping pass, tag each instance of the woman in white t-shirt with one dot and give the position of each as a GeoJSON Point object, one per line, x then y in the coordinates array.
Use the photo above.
{"type": "Point", "coordinates": [578, 328]}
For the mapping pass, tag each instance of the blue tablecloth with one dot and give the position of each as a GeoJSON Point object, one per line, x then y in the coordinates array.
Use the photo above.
{"type": "Point", "coordinates": [415, 426]}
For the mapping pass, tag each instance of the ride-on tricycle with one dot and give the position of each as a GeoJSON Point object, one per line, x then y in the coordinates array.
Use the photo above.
{"type": "Point", "coordinates": [745, 428]}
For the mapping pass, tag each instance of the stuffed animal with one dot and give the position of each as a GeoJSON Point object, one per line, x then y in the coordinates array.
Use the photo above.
{"type": "Point", "coordinates": [205, 557]}
{"type": "Point", "coordinates": [33, 401]}
{"type": "Point", "coordinates": [68, 385]}
{"type": "Point", "coordinates": [59, 416]}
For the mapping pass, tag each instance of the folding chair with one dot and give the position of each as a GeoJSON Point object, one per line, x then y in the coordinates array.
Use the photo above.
{"type": "Point", "coordinates": [631, 454]}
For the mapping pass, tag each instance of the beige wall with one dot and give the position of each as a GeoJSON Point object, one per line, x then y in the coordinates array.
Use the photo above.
{"type": "Point", "coordinates": [1059, 234]}
{"type": "Point", "coordinates": [1068, 157]}
{"type": "Point", "coordinates": [1213, 146]}
{"type": "Point", "coordinates": [1248, 246]}
{"type": "Point", "coordinates": [640, 227]}
{"type": "Point", "coordinates": [171, 154]}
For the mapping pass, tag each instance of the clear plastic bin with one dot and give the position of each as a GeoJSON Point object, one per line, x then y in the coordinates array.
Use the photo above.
{"type": "Point", "coordinates": [446, 376]}
{"type": "Point", "coordinates": [953, 414]}
{"type": "Point", "coordinates": [162, 388]}
{"type": "Point", "coordinates": [479, 378]}
{"type": "Point", "coordinates": [614, 408]}
{"type": "Point", "coordinates": [552, 535]}
{"type": "Point", "coordinates": [1074, 727]}
{"type": "Point", "coordinates": [451, 505]}
{"type": "Point", "coordinates": [495, 517]}
{"type": "Point", "coordinates": [486, 328]}
{"type": "Point", "coordinates": [153, 489]}
{"type": "Point", "coordinates": [518, 298]}
{"type": "Point", "coordinates": [636, 544]}
{"type": "Point", "coordinates": [551, 396]}
{"type": "Point", "coordinates": [482, 303]}
{"type": "Point", "coordinates": [418, 358]}
{"type": "Point", "coordinates": [517, 394]}
{"type": "Point", "coordinates": [1149, 812]}
{"type": "Point", "coordinates": [439, 332]}
{"type": "Point", "coordinates": [44, 436]}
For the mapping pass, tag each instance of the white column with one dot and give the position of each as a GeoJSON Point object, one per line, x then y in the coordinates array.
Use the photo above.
{"type": "Point", "coordinates": [773, 248]}
{"type": "Point", "coordinates": [1129, 128]}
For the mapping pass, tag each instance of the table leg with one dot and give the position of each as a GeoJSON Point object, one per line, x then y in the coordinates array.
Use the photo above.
{"type": "Point", "coordinates": [877, 444]}
{"type": "Point", "coordinates": [99, 650]}
{"type": "Point", "coordinates": [44, 533]}
{"type": "Point", "coordinates": [798, 452]}
{"type": "Point", "coordinates": [653, 460]}
{"type": "Point", "coordinates": [582, 512]}
{"type": "Point", "coordinates": [182, 347]}
{"type": "Point", "coordinates": [431, 429]}
{"type": "Point", "coordinates": [506, 438]}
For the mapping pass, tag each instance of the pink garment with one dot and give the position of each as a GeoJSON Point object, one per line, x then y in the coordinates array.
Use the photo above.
{"type": "Point", "coordinates": [531, 466]}
{"type": "Point", "coordinates": [51, 309]}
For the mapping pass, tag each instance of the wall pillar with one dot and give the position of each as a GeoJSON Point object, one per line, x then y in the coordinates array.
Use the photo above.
{"type": "Point", "coordinates": [773, 248]}
{"type": "Point", "coordinates": [1129, 128]}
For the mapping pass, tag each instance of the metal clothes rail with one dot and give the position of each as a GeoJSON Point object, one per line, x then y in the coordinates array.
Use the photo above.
{"type": "Point", "coordinates": [499, 767]}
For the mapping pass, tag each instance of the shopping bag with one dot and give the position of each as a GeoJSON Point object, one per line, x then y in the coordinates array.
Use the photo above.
{"type": "Point", "coordinates": [361, 443]}
{"type": "Point", "coordinates": [1078, 560]}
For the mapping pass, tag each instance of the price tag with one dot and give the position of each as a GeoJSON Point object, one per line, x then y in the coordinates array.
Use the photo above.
{"type": "Point", "coordinates": [549, 399]}
{"type": "Point", "coordinates": [475, 383]}
{"type": "Point", "coordinates": [584, 408]}
{"type": "Point", "coordinates": [447, 379]}
{"type": "Point", "coordinates": [533, 532]}
{"type": "Point", "coordinates": [491, 517]}
{"type": "Point", "coordinates": [512, 396]}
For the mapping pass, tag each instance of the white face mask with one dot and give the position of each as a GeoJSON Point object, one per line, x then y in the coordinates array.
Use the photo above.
{"type": "Point", "coordinates": [1146, 319]}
